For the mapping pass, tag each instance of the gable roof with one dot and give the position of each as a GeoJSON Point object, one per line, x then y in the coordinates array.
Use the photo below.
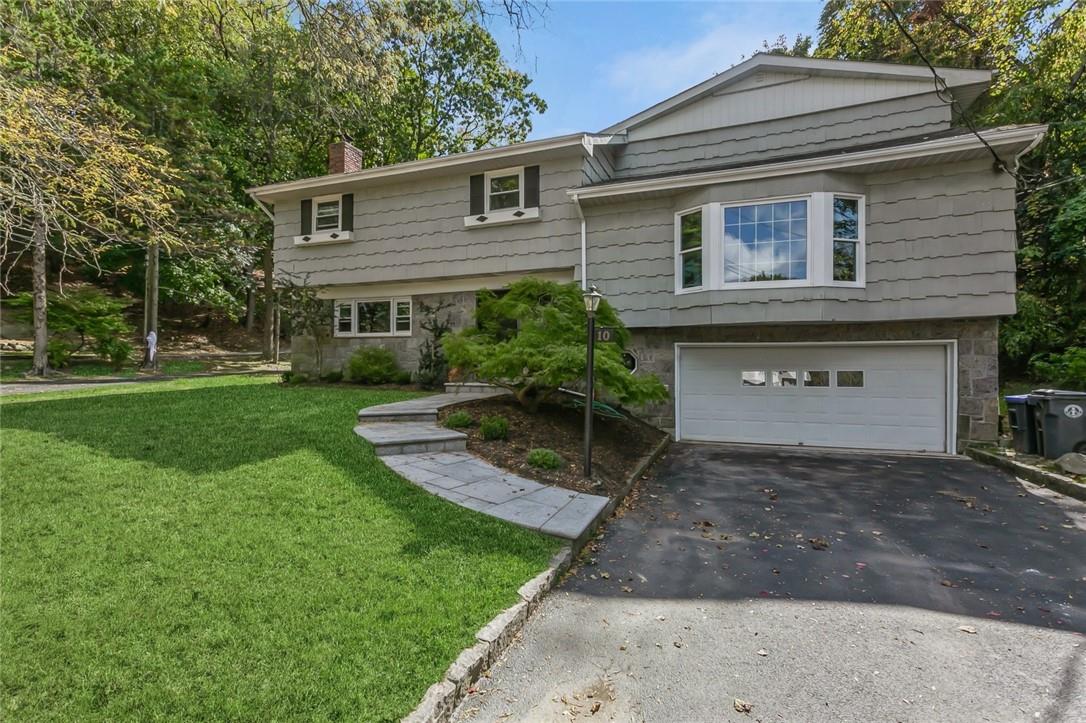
{"type": "Point", "coordinates": [970, 82]}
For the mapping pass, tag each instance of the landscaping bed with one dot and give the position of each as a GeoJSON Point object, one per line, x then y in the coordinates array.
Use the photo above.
{"type": "Point", "coordinates": [618, 444]}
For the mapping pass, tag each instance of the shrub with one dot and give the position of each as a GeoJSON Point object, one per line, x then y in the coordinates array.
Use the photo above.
{"type": "Point", "coordinates": [403, 377]}
{"type": "Point", "coordinates": [1065, 369]}
{"type": "Point", "coordinates": [115, 349]}
{"type": "Point", "coordinates": [433, 370]}
{"type": "Point", "coordinates": [459, 419]}
{"type": "Point", "coordinates": [373, 365]}
{"type": "Point", "coordinates": [531, 340]}
{"type": "Point", "coordinates": [59, 352]}
{"type": "Point", "coordinates": [332, 377]}
{"type": "Point", "coordinates": [545, 459]}
{"type": "Point", "coordinates": [297, 378]}
{"type": "Point", "coordinates": [494, 428]}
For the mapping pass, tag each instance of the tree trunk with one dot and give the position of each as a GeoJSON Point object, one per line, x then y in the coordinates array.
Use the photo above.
{"type": "Point", "coordinates": [275, 337]}
{"type": "Point", "coordinates": [269, 303]}
{"type": "Point", "coordinates": [150, 292]}
{"type": "Point", "coordinates": [41, 326]}
{"type": "Point", "coordinates": [250, 308]}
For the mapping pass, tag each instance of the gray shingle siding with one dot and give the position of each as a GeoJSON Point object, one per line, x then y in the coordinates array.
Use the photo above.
{"type": "Point", "coordinates": [823, 131]}
{"type": "Point", "coordinates": [414, 230]}
{"type": "Point", "coordinates": [940, 243]}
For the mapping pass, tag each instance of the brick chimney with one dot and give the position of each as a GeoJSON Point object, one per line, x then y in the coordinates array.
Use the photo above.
{"type": "Point", "coordinates": [343, 157]}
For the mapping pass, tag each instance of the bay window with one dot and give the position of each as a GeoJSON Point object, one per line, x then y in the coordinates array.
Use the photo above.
{"type": "Point", "coordinates": [373, 317]}
{"type": "Point", "coordinates": [815, 239]}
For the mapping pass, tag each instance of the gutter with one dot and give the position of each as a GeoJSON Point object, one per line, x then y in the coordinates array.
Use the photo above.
{"type": "Point", "coordinates": [995, 136]}
{"type": "Point", "coordinates": [584, 243]}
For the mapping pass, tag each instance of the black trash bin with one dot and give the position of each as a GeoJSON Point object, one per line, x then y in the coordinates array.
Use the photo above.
{"type": "Point", "coordinates": [1021, 419]}
{"type": "Point", "coordinates": [1060, 421]}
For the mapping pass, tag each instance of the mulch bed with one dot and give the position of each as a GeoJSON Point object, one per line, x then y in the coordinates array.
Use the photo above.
{"type": "Point", "coordinates": [618, 444]}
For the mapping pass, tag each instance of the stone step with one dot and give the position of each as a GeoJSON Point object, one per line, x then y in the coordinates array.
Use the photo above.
{"type": "Point", "coordinates": [390, 438]}
{"type": "Point", "coordinates": [376, 414]}
{"type": "Point", "coordinates": [472, 388]}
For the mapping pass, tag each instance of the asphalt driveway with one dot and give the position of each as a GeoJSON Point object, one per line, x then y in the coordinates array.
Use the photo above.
{"type": "Point", "coordinates": [814, 586]}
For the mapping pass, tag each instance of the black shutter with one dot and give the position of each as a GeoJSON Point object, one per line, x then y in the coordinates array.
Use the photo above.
{"type": "Point", "coordinates": [531, 187]}
{"type": "Point", "coordinates": [346, 212]}
{"type": "Point", "coordinates": [476, 205]}
{"type": "Point", "coordinates": [307, 216]}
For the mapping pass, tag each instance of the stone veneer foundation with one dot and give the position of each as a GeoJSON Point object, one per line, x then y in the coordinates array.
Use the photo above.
{"type": "Point", "coordinates": [978, 361]}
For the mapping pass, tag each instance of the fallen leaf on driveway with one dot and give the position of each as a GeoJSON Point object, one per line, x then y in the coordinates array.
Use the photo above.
{"type": "Point", "coordinates": [968, 629]}
{"type": "Point", "coordinates": [763, 652]}
{"type": "Point", "coordinates": [819, 543]}
{"type": "Point", "coordinates": [627, 588]}
{"type": "Point", "coordinates": [742, 706]}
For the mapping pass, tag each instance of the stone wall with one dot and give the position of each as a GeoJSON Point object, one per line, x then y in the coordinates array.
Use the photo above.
{"type": "Point", "coordinates": [978, 361]}
{"type": "Point", "coordinates": [337, 350]}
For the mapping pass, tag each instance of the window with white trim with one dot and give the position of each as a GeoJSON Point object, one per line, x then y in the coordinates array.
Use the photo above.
{"type": "Point", "coordinates": [816, 239]}
{"type": "Point", "coordinates": [505, 189]}
{"type": "Point", "coordinates": [846, 237]}
{"type": "Point", "coordinates": [690, 234]}
{"type": "Point", "coordinates": [373, 317]}
{"type": "Point", "coordinates": [326, 214]}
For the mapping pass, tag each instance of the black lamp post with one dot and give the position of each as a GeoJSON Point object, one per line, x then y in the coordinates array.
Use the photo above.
{"type": "Point", "coordinates": [592, 298]}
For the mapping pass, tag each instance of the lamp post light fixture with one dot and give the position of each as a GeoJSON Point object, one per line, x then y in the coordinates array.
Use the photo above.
{"type": "Point", "coordinates": [592, 298]}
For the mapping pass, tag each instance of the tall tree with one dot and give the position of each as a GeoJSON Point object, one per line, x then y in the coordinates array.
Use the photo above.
{"type": "Point", "coordinates": [1036, 48]}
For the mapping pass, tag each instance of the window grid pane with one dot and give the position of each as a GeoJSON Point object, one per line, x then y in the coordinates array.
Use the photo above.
{"type": "Point", "coordinates": [343, 318]}
{"type": "Point", "coordinates": [846, 218]}
{"type": "Point", "coordinates": [690, 249]}
{"type": "Point", "coordinates": [403, 316]}
{"type": "Point", "coordinates": [844, 260]}
{"type": "Point", "coordinates": [374, 317]}
{"type": "Point", "coordinates": [504, 192]}
{"type": "Point", "coordinates": [327, 217]}
{"type": "Point", "coordinates": [765, 242]}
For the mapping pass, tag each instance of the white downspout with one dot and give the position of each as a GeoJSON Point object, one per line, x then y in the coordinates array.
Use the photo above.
{"type": "Point", "coordinates": [263, 208]}
{"type": "Point", "coordinates": [584, 244]}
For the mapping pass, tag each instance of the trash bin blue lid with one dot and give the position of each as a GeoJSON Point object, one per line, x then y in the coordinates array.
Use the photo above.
{"type": "Point", "coordinates": [1057, 393]}
{"type": "Point", "coordinates": [1016, 398]}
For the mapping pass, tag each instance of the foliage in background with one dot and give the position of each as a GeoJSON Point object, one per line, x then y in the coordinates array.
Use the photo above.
{"type": "Point", "coordinates": [78, 318]}
{"type": "Point", "coordinates": [310, 315]}
{"type": "Point", "coordinates": [531, 340]}
{"type": "Point", "coordinates": [1065, 369]}
{"type": "Point", "coordinates": [433, 370]}
{"type": "Point", "coordinates": [1036, 49]}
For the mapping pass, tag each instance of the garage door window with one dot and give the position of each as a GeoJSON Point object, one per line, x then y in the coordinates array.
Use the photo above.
{"type": "Point", "coordinates": [850, 379]}
{"type": "Point", "coordinates": [816, 379]}
{"type": "Point", "coordinates": [785, 378]}
{"type": "Point", "coordinates": [753, 379]}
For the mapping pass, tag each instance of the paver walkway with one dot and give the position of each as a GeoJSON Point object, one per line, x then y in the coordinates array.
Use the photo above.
{"type": "Point", "coordinates": [407, 438]}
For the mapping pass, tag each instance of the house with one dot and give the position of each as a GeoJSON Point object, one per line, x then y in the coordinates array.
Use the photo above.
{"type": "Point", "coordinates": [807, 251]}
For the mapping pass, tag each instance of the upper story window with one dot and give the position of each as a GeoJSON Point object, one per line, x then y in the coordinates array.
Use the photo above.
{"type": "Point", "coordinates": [846, 237]}
{"type": "Point", "coordinates": [326, 214]}
{"type": "Point", "coordinates": [765, 242]}
{"type": "Point", "coordinates": [690, 249]}
{"type": "Point", "coordinates": [811, 240]}
{"type": "Point", "coordinates": [504, 189]}
{"type": "Point", "coordinates": [502, 196]}
{"type": "Point", "coordinates": [326, 219]}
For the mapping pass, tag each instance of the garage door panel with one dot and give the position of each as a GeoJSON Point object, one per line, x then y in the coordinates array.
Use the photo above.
{"type": "Point", "coordinates": [901, 405]}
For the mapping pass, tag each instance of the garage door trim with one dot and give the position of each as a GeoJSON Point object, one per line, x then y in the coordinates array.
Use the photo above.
{"type": "Point", "coordinates": [951, 346]}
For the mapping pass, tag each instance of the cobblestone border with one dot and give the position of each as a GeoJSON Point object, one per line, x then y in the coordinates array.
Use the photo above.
{"type": "Point", "coordinates": [1058, 482]}
{"type": "Point", "coordinates": [441, 699]}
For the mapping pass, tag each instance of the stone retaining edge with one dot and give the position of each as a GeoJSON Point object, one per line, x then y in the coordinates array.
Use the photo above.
{"type": "Point", "coordinates": [1058, 482]}
{"type": "Point", "coordinates": [441, 699]}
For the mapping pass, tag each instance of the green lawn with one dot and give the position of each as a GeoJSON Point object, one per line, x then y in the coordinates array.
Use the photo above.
{"type": "Point", "coordinates": [227, 548]}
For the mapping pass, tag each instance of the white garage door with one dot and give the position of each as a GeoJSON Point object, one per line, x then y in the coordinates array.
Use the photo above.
{"type": "Point", "coordinates": [868, 397]}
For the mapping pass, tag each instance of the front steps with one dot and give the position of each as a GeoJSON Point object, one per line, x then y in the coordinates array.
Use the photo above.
{"type": "Point", "coordinates": [390, 438]}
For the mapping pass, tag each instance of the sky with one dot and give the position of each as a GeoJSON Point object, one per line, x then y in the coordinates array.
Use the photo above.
{"type": "Point", "coordinates": [596, 63]}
